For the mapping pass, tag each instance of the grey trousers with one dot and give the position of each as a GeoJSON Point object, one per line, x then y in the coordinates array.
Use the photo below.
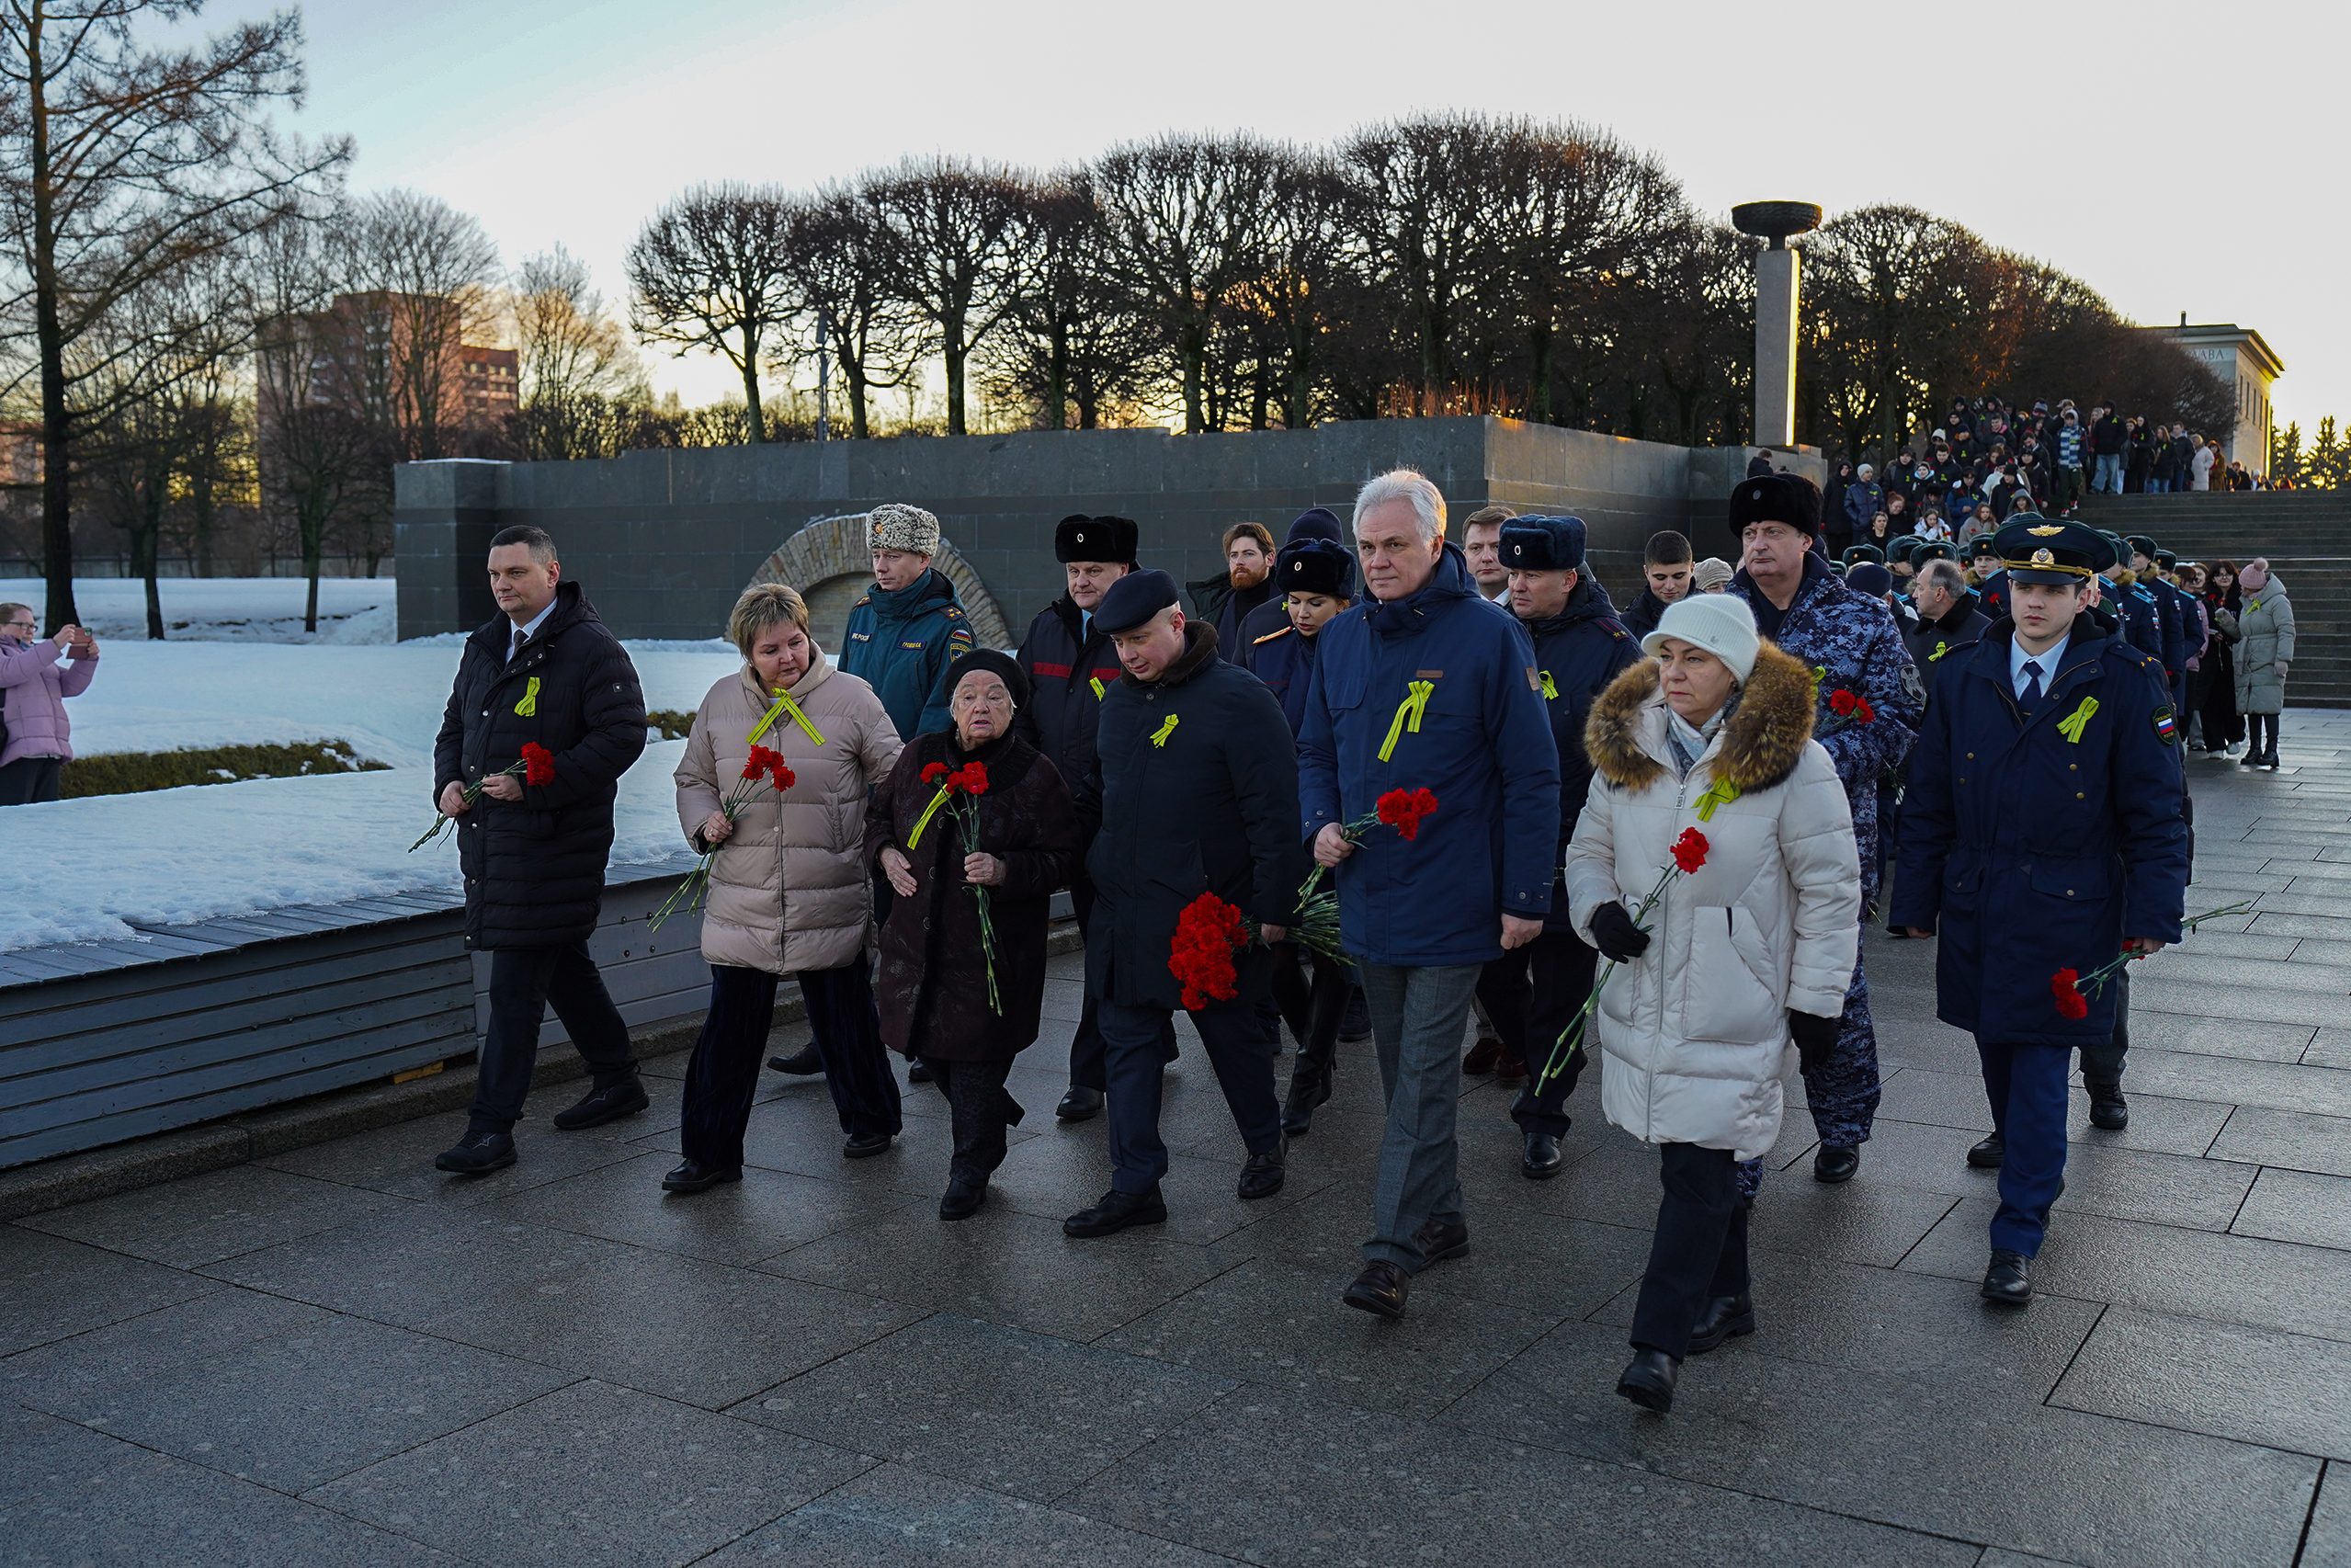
{"type": "Point", "coordinates": [1416, 1020]}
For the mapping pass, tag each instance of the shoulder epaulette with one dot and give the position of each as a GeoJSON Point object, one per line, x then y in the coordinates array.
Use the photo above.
{"type": "Point", "coordinates": [1271, 635]}
{"type": "Point", "coordinates": [953, 612]}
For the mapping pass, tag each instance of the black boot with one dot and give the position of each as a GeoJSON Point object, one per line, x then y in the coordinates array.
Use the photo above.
{"type": "Point", "coordinates": [802, 1063]}
{"type": "Point", "coordinates": [600, 1106]}
{"type": "Point", "coordinates": [1648, 1379]}
{"type": "Point", "coordinates": [2108, 1111]}
{"type": "Point", "coordinates": [965, 1193]}
{"type": "Point", "coordinates": [1308, 1091]}
{"type": "Point", "coordinates": [1988, 1153]}
{"type": "Point", "coordinates": [1538, 1158]}
{"type": "Point", "coordinates": [1261, 1175]}
{"type": "Point", "coordinates": [1835, 1163]}
{"type": "Point", "coordinates": [692, 1175]}
{"type": "Point", "coordinates": [2007, 1281]}
{"type": "Point", "coordinates": [1723, 1317]}
{"type": "Point", "coordinates": [1080, 1104]}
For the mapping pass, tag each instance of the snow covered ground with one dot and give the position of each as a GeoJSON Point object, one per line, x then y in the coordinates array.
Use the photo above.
{"type": "Point", "coordinates": [82, 871]}
{"type": "Point", "coordinates": [227, 609]}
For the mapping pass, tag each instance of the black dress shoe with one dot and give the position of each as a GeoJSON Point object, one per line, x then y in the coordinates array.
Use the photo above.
{"type": "Point", "coordinates": [1722, 1317]}
{"type": "Point", "coordinates": [1261, 1175]}
{"type": "Point", "coordinates": [1306, 1095]}
{"type": "Point", "coordinates": [1648, 1379]}
{"type": "Point", "coordinates": [1440, 1239]}
{"type": "Point", "coordinates": [602, 1105]}
{"type": "Point", "coordinates": [865, 1146]}
{"type": "Point", "coordinates": [477, 1153]}
{"type": "Point", "coordinates": [1835, 1163]}
{"type": "Point", "coordinates": [2108, 1111]}
{"type": "Point", "coordinates": [1988, 1154]}
{"type": "Point", "coordinates": [918, 1070]}
{"type": "Point", "coordinates": [1116, 1212]}
{"type": "Point", "coordinates": [1482, 1057]}
{"type": "Point", "coordinates": [963, 1197]}
{"type": "Point", "coordinates": [693, 1176]}
{"type": "Point", "coordinates": [802, 1063]}
{"type": "Point", "coordinates": [1380, 1290]}
{"type": "Point", "coordinates": [1540, 1160]}
{"type": "Point", "coordinates": [2007, 1281]}
{"type": "Point", "coordinates": [1080, 1104]}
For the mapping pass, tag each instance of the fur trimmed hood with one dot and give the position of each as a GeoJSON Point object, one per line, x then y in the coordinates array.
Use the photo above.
{"type": "Point", "coordinates": [1762, 740]}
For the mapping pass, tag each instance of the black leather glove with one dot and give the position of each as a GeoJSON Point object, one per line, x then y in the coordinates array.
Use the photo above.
{"type": "Point", "coordinates": [1616, 935]}
{"type": "Point", "coordinates": [1815, 1038]}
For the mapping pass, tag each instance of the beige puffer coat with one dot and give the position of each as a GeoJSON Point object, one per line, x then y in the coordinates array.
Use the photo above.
{"type": "Point", "coordinates": [1693, 1034]}
{"type": "Point", "coordinates": [788, 890]}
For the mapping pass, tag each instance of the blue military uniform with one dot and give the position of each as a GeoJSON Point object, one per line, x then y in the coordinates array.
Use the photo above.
{"type": "Point", "coordinates": [1858, 645]}
{"type": "Point", "coordinates": [901, 642]}
{"type": "Point", "coordinates": [2037, 835]}
{"type": "Point", "coordinates": [2179, 619]}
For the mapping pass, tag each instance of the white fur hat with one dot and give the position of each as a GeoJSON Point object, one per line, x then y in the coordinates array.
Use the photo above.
{"type": "Point", "coordinates": [1719, 623]}
{"type": "Point", "coordinates": [894, 525]}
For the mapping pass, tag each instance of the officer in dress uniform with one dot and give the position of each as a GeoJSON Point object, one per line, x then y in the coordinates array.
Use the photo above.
{"type": "Point", "coordinates": [2041, 834]}
{"type": "Point", "coordinates": [2142, 619]}
{"type": "Point", "coordinates": [1533, 993]}
{"type": "Point", "coordinates": [2179, 615]}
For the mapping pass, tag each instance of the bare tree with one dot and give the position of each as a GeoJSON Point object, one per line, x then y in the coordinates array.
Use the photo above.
{"type": "Point", "coordinates": [122, 159]}
{"type": "Point", "coordinates": [575, 362]}
{"type": "Point", "coordinates": [955, 240]}
{"type": "Point", "coordinates": [1894, 299]}
{"type": "Point", "coordinates": [710, 271]}
{"type": "Point", "coordinates": [1424, 201]}
{"type": "Point", "coordinates": [1310, 279]}
{"type": "Point", "coordinates": [1186, 218]}
{"type": "Point", "coordinates": [1071, 344]}
{"type": "Point", "coordinates": [415, 282]}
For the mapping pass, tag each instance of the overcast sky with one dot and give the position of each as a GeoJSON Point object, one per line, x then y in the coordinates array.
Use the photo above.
{"type": "Point", "coordinates": [2174, 155]}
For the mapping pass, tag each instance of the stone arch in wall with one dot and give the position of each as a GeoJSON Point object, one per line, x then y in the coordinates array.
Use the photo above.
{"type": "Point", "coordinates": [828, 562]}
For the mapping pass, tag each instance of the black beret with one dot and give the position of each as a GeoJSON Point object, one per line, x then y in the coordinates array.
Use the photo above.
{"type": "Point", "coordinates": [1316, 522]}
{"type": "Point", "coordinates": [1133, 599]}
{"type": "Point", "coordinates": [1015, 679]}
{"type": "Point", "coordinates": [1537, 543]}
{"type": "Point", "coordinates": [1869, 578]}
{"type": "Point", "coordinates": [1788, 498]}
{"type": "Point", "coordinates": [1082, 538]}
{"type": "Point", "coordinates": [1312, 565]}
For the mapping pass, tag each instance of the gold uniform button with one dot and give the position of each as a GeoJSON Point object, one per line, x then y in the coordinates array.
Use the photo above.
{"type": "Point", "coordinates": [2079, 796]}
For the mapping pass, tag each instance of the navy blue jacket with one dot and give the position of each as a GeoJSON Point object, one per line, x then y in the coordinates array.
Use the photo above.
{"type": "Point", "coordinates": [1069, 667]}
{"type": "Point", "coordinates": [2170, 610]}
{"type": "Point", "coordinates": [1197, 785]}
{"type": "Point", "coordinates": [2029, 851]}
{"type": "Point", "coordinates": [1482, 744]}
{"type": "Point", "coordinates": [2142, 616]}
{"type": "Point", "coordinates": [901, 642]}
{"type": "Point", "coordinates": [1257, 625]}
{"type": "Point", "coordinates": [1285, 661]}
{"type": "Point", "coordinates": [1577, 652]}
{"type": "Point", "coordinates": [1646, 611]}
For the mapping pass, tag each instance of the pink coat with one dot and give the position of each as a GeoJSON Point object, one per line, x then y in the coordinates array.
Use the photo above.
{"type": "Point", "coordinates": [34, 683]}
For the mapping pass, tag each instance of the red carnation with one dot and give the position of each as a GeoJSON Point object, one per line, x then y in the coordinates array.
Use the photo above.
{"type": "Point", "coordinates": [1689, 850]}
{"type": "Point", "coordinates": [1208, 934]}
{"type": "Point", "coordinates": [1841, 702]}
{"type": "Point", "coordinates": [972, 779]}
{"type": "Point", "coordinates": [933, 772]}
{"type": "Point", "coordinates": [784, 777]}
{"type": "Point", "coordinates": [538, 764]}
{"type": "Point", "coordinates": [1862, 712]}
{"type": "Point", "coordinates": [2071, 1003]}
{"type": "Point", "coordinates": [1405, 809]}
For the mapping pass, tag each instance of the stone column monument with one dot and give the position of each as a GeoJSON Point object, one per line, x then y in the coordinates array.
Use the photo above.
{"type": "Point", "coordinates": [1776, 275]}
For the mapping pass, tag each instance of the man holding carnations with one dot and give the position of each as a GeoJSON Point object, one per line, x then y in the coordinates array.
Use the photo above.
{"type": "Point", "coordinates": [544, 672]}
{"type": "Point", "coordinates": [1428, 686]}
{"type": "Point", "coordinates": [1198, 788]}
{"type": "Point", "coordinates": [2042, 836]}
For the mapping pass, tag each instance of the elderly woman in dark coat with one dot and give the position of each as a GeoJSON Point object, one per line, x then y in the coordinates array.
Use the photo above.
{"type": "Point", "coordinates": [933, 980]}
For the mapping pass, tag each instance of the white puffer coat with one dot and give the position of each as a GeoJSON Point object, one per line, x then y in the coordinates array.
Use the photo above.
{"type": "Point", "coordinates": [788, 890]}
{"type": "Point", "coordinates": [1693, 1034]}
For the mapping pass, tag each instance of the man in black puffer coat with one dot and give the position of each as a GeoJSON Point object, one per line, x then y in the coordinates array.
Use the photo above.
{"type": "Point", "coordinates": [544, 672]}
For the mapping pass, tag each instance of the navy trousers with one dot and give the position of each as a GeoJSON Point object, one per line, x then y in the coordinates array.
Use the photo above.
{"type": "Point", "coordinates": [724, 1076]}
{"type": "Point", "coordinates": [523, 982]}
{"type": "Point", "coordinates": [1139, 1043]}
{"type": "Point", "coordinates": [1699, 1250]}
{"type": "Point", "coordinates": [1086, 1068]}
{"type": "Point", "coordinates": [2027, 1087]}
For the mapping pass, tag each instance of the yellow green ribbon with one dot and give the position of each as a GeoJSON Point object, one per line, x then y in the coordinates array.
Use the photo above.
{"type": "Point", "coordinates": [1941, 648]}
{"type": "Point", "coordinates": [924, 821]}
{"type": "Point", "coordinates": [1719, 792]}
{"type": "Point", "coordinates": [1409, 711]}
{"type": "Point", "coordinates": [782, 705]}
{"type": "Point", "coordinates": [1550, 687]}
{"type": "Point", "coordinates": [2074, 723]}
{"type": "Point", "coordinates": [1095, 682]}
{"type": "Point", "coordinates": [528, 707]}
{"type": "Point", "coordinates": [1166, 728]}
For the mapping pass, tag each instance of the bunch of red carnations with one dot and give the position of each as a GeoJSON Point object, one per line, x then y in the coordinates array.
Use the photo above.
{"type": "Point", "coordinates": [763, 766]}
{"type": "Point", "coordinates": [536, 767]}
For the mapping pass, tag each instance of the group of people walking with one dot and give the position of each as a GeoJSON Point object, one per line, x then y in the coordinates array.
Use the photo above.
{"type": "Point", "coordinates": [1687, 792]}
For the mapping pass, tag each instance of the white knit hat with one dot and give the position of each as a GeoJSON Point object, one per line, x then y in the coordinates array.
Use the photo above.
{"type": "Point", "coordinates": [1719, 623]}
{"type": "Point", "coordinates": [894, 525]}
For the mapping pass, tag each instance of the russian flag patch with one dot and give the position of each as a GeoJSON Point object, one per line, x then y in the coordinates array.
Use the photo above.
{"type": "Point", "coordinates": [2167, 727]}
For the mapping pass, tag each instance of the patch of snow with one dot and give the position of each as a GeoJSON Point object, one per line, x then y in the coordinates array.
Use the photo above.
{"type": "Point", "coordinates": [227, 609]}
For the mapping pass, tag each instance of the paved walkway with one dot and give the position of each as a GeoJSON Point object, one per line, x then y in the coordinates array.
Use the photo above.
{"type": "Point", "coordinates": [339, 1356]}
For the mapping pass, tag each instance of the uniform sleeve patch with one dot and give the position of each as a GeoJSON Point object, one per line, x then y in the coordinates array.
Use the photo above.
{"type": "Point", "coordinates": [2167, 727]}
{"type": "Point", "coordinates": [1534, 680]}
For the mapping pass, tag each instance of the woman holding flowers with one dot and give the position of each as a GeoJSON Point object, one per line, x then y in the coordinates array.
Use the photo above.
{"type": "Point", "coordinates": [773, 787]}
{"type": "Point", "coordinates": [1713, 805]}
{"type": "Point", "coordinates": [974, 829]}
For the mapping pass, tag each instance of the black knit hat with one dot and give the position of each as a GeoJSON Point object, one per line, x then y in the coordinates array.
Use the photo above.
{"type": "Point", "coordinates": [1081, 538]}
{"type": "Point", "coordinates": [1788, 498]}
{"type": "Point", "coordinates": [1016, 680]}
{"type": "Point", "coordinates": [1314, 565]}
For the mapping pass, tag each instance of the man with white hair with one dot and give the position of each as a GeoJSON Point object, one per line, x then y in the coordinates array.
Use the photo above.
{"type": "Point", "coordinates": [1425, 689]}
{"type": "Point", "coordinates": [1864, 499]}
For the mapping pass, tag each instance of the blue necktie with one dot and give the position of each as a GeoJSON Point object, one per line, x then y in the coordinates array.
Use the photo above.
{"type": "Point", "coordinates": [2031, 699]}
